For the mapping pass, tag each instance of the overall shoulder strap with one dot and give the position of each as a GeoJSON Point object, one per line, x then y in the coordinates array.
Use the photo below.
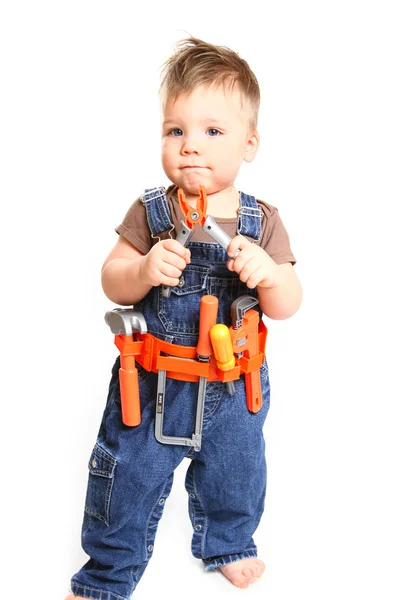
{"type": "Point", "coordinates": [157, 210]}
{"type": "Point", "coordinates": [249, 217]}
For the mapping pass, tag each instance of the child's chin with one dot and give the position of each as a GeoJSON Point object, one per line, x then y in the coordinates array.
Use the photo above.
{"type": "Point", "coordinates": [192, 186]}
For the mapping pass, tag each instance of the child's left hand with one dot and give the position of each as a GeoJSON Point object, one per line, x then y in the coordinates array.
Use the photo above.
{"type": "Point", "coordinates": [252, 264]}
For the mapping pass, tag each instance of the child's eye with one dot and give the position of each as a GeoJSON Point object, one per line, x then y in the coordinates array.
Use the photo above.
{"type": "Point", "coordinates": [176, 132]}
{"type": "Point", "coordinates": [213, 132]}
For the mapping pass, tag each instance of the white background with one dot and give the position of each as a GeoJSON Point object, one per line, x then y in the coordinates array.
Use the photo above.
{"type": "Point", "coordinates": [79, 141]}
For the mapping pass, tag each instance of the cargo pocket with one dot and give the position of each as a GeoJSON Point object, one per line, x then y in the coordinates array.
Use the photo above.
{"type": "Point", "coordinates": [101, 479]}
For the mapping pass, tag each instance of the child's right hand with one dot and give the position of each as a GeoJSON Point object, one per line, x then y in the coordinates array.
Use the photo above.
{"type": "Point", "coordinates": [164, 263]}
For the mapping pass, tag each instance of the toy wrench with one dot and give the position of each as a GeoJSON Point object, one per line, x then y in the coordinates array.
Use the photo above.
{"type": "Point", "coordinates": [193, 217]}
{"type": "Point", "coordinates": [245, 342]}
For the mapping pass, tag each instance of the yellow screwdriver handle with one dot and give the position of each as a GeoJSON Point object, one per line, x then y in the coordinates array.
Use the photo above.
{"type": "Point", "coordinates": [222, 347]}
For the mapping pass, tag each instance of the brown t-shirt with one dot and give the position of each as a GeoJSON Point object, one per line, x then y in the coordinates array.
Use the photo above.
{"type": "Point", "coordinates": [274, 238]}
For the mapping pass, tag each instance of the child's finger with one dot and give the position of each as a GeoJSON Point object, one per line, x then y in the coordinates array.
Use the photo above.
{"type": "Point", "coordinates": [174, 260]}
{"type": "Point", "coordinates": [242, 258]}
{"type": "Point", "coordinates": [175, 247]}
{"type": "Point", "coordinates": [248, 269]}
{"type": "Point", "coordinates": [230, 264]}
{"type": "Point", "coordinates": [170, 270]}
{"type": "Point", "coordinates": [255, 278]}
{"type": "Point", "coordinates": [236, 245]}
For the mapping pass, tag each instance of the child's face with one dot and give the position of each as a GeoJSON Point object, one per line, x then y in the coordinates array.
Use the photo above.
{"type": "Point", "coordinates": [205, 138]}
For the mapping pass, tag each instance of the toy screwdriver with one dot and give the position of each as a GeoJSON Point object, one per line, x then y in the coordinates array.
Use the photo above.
{"type": "Point", "coordinates": [223, 351]}
{"type": "Point", "coordinates": [193, 217]}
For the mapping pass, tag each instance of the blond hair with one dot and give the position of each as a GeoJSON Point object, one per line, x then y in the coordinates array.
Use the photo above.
{"type": "Point", "coordinates": [196, 63]}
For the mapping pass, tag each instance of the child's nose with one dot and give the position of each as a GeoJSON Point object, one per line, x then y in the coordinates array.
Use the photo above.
{"type": "Point", "coordinates": [190, 146]}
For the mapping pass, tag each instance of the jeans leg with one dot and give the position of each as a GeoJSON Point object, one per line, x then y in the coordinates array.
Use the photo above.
{"type": "Point", "coordinates": [130, 478]}
{"type": "Point", "coordinates": [226, 480]}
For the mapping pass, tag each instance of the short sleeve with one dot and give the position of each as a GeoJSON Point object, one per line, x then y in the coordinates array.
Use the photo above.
{"type": "Point", "coordinates": [135, 229]}
{"type": "Point", "coordinates": [274, 237]}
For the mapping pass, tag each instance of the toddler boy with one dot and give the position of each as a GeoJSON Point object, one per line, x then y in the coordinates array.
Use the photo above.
{"type": "Point", "coordinates": [210, 100]}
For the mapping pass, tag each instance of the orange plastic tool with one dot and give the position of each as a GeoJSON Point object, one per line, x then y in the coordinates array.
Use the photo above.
{"type": "Point", "coordinates": [252, 379]}
{"type": "Point", "coordinates": [197, 216]}
{"type": "Point", "coordinates": [245, 341]}
{"type": "Point", "coordinates": [208, 318]}
{"type": "Point", "coordinates": [194, 216]}
{"type": "Point", "coordinates": [214, 360]}
{"type": "Point", "coordinates": [129, 386]}
{"type": "Point", "coordinates": [223, 352]}
{"type": "Point", "coordinates": [222, 347]}
{"type": "Point", "coordinates": [124, 323]}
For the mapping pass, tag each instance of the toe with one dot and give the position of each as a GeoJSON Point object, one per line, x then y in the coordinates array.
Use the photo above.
{"type": "Point", "coordinates": [241, 583]}
{"type": "Point", "coordinates": [243, 573]}
{"type": "Point", "coordinates": [258, 568]}
{"type": "Point", "coordinates": [248, 573]}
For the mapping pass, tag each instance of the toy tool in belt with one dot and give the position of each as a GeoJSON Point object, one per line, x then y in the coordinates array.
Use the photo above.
{"type": "Point", "coordinates": [212, 359]}
{"type": "Point", "coordinates": [208, 317]}
{"type": "Point", "coordinates": [223, 351]}
{"type": "Point", "coordinates": [244, 334]}
{"type": "Point", "coordinates": [124, 323]}
{"type": "Point", "coordinates": [193, 217]}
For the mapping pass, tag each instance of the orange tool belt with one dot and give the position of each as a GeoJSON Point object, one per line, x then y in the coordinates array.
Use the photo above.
{"type": "Point", "coordinates": [180, 362]}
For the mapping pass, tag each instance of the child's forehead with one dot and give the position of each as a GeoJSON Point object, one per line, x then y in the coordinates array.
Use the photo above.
{"type": "Point", "coordinates": [209, 98]}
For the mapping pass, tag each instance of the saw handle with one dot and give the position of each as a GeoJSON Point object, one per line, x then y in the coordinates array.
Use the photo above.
{"type": "Point", "coordinates": [208, 318]}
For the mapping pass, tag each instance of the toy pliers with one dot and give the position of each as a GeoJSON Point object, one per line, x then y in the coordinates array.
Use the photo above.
{"type": "Point", "coordinates": [193, 217]}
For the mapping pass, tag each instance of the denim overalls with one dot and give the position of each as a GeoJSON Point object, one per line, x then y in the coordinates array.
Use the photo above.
{"type": "Point", "coordinates": [130, 473]}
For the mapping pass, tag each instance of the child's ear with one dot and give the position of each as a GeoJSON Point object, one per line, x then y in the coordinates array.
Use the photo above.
{"type": "Point", "coordinates": [252, 144]}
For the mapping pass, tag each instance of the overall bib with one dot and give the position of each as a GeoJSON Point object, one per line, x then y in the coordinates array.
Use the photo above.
{"type": "Point", "coordinates": [131, 473]}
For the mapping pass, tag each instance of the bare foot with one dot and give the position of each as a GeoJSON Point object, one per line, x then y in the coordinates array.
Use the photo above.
{"type": "Point", "coordinates": [73, 597]}
{"type": "Point", "coordinates": [243, 572]}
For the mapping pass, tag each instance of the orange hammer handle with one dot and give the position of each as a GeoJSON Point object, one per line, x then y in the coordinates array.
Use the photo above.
{"type": "Point", "coordinates": [129, 387]}
{"type": "Point", "coordinates": [208, 318]}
